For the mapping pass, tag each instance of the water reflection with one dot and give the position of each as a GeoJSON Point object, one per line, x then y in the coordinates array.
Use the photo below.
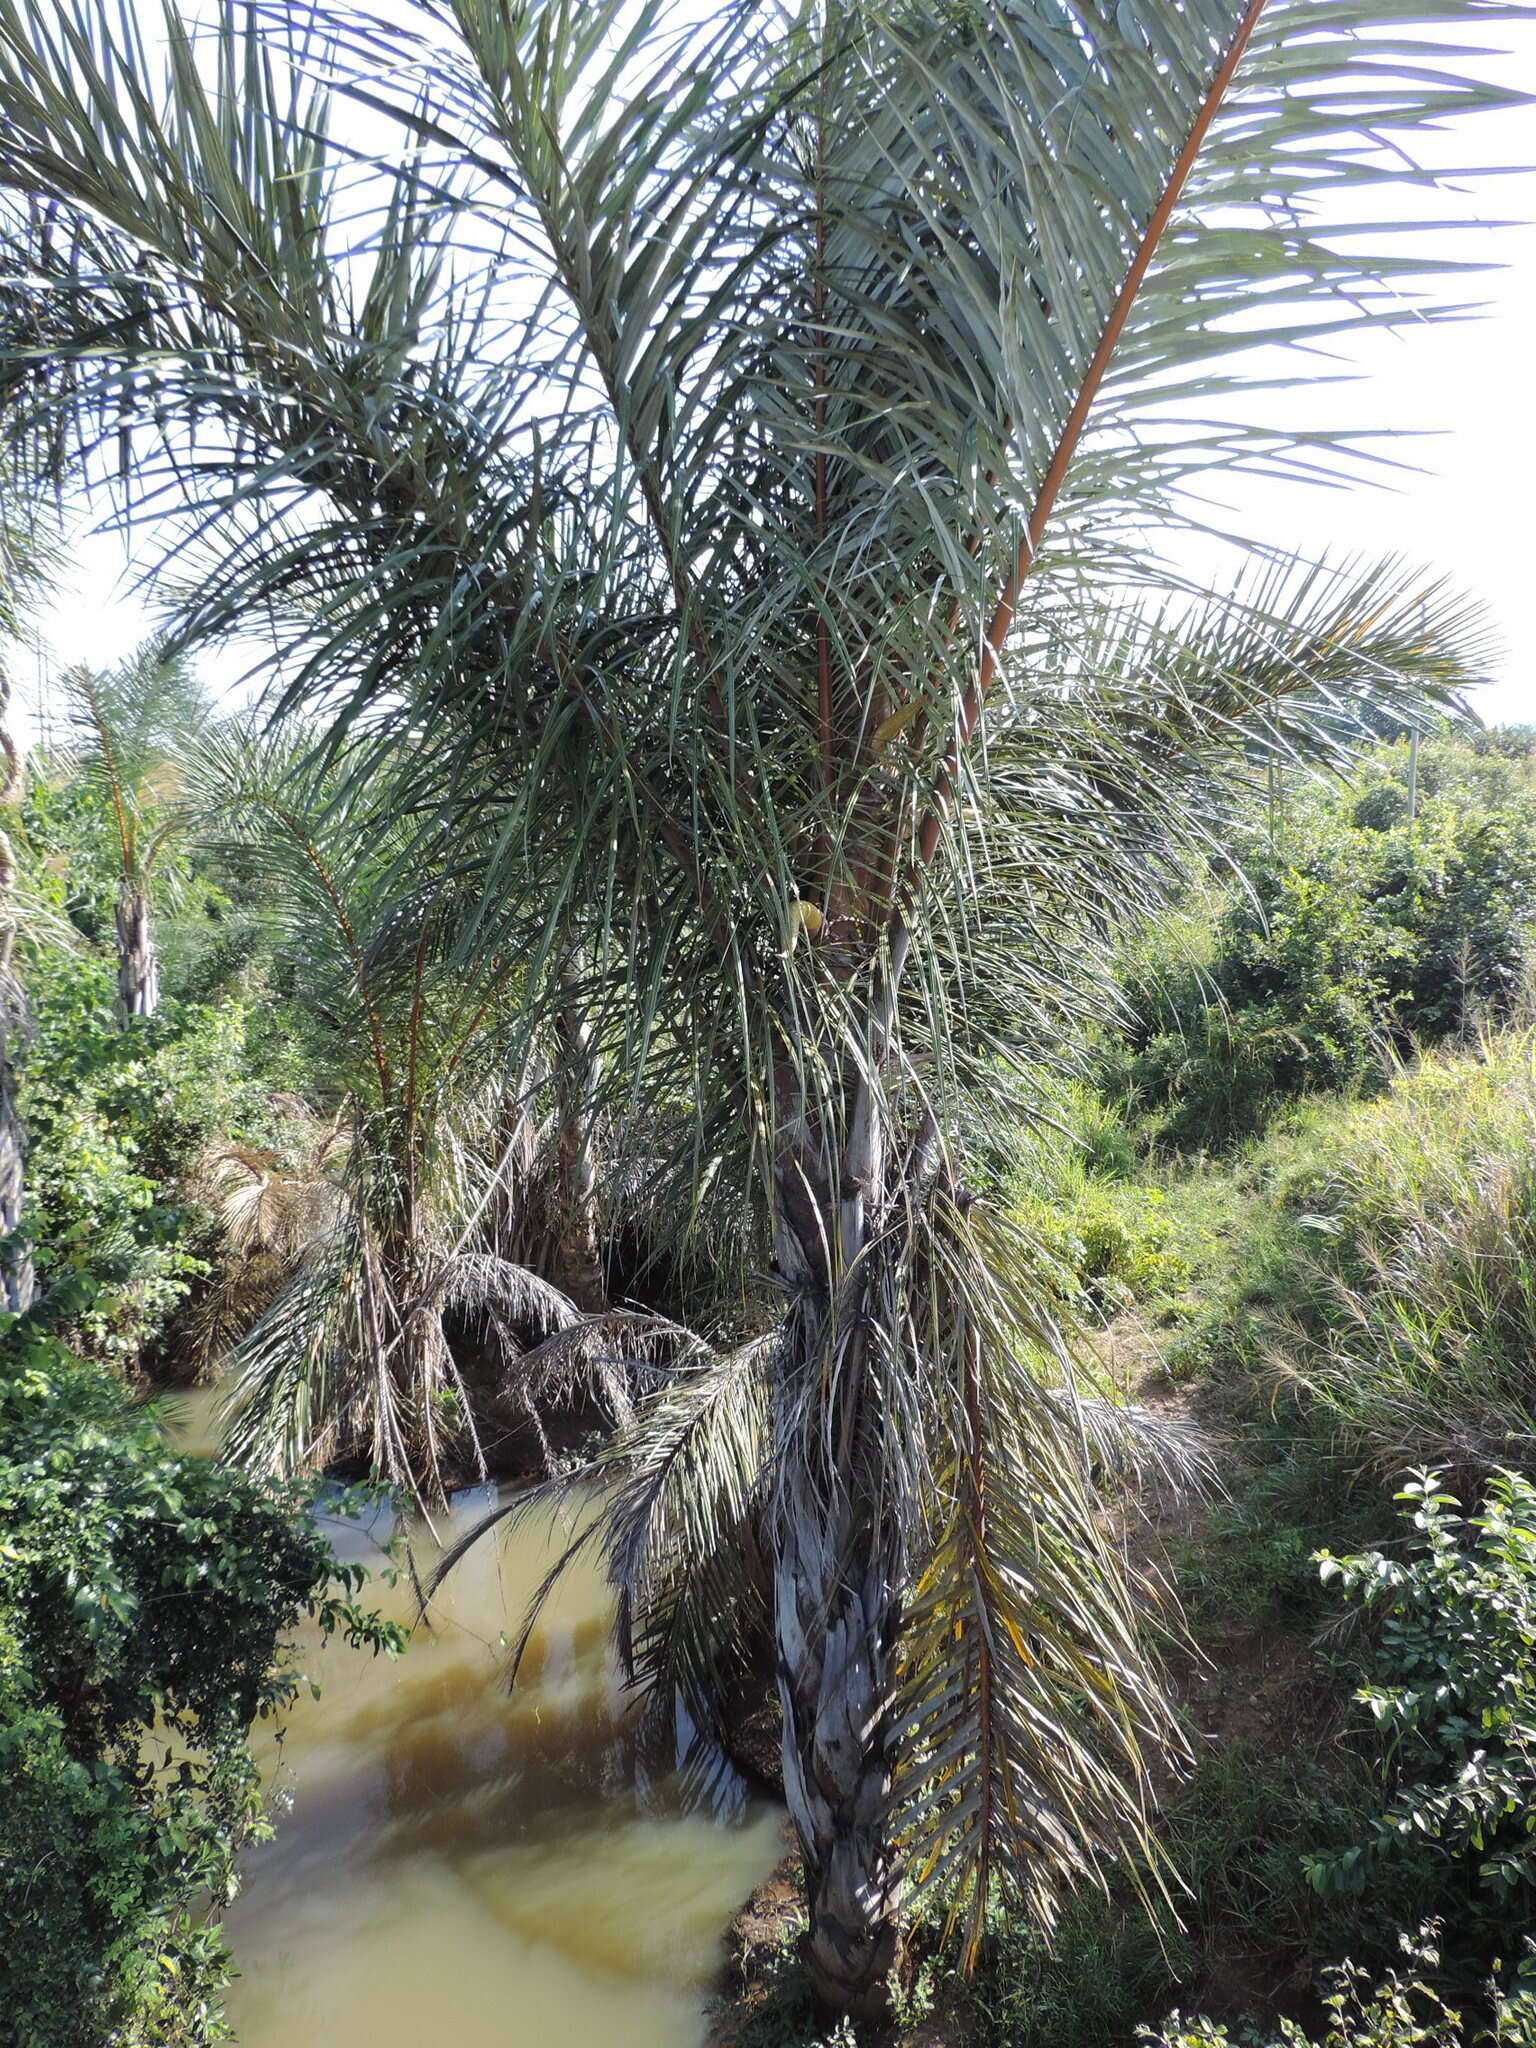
{"type": "Point", "coordinates": [465, 1863]}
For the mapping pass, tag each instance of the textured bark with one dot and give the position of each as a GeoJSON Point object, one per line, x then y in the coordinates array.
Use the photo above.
{"type": "Point", "coordinates": [837, 1563]}
{"type": "Point", "coordinates": [138, 969]}
{"type": "Point", "coordinates": [580, 1255]}
{"type": "Point", "coordinates": [18, 1284]}
{"type": "Point", "coordinates": [836, 1589]}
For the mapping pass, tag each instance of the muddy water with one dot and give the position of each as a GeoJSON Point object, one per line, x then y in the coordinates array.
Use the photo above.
{"type": "Point", "coordinates": [468, 1864]}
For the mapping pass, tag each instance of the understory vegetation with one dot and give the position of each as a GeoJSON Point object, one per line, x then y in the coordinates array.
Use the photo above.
{"type": "Point", "coordinates": [758, 962]}
{"type": "Point", "coordinates": [148, 1606]}
{"type": "Point", "coordinates": [1325, 1257]}
{"type": "Point", "coordinates": [1338, 1290]}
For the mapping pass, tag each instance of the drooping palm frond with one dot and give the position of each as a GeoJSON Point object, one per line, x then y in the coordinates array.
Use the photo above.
{"type": "Point", "coordinates": [675, 1501]}
{"type": "Point", "coordinates": [1023, 1623]}
{"type": "Point", "coordinates": [272, 1212]}
{"type": "Point", "coordinates": [715, 418]}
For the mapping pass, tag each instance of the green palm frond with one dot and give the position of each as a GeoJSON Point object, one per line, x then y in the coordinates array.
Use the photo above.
{"type": "Point", "coordinates": [645, 467]}
{"type": "Point", "coordinates": [132, 729]}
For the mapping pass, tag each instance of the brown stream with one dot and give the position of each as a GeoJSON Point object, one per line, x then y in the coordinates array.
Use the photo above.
{"type": "Point", "coordinates": [481, 1866]}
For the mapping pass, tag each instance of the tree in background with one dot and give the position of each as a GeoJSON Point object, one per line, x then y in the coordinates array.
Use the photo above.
{"type": "Point", "coordinates": [720, 415]}
{"type": "Point", "coordinates": [431, 1211]}
{"type": "Point", "coordinates": [133, 728]}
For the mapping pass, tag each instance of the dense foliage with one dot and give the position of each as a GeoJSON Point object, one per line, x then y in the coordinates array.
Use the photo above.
{"type": "Point", "coordinates": [119, 1121]}
{"type": "Point", "coordinates": [1399, 2010]}
{"type": "Point", "coordinates": [1453, 1693]}
{"type": "Point", "coordinates": [1367, 921]}
{"type": "Point", "coordinates": [148, 1607]}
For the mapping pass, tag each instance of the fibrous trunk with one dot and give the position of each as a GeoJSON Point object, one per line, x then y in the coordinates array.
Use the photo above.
{"type": "Point", "coordinates": [837, 1562]}
{"type": "Point", "coordinates": [836, 1592]}
{"type": "Point", "coordinates": [580, 1254]}
{"type": "Point", "coordinates": [138, 970]}
{"type": "Point", "coordinates": [17, 1280]}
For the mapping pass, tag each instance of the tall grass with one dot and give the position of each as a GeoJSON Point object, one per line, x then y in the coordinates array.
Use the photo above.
{"type": "Point", "coordinates": [1420, 1334]}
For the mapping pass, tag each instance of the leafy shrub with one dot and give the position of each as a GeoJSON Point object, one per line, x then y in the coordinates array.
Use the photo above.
{"type": "Point", "coordinates": [116, 1118]}
{"type": "Point", "coordinates": [1454, 1694]}
{"type": "Point", "coordinates": [147, 1601]}
{"type": "Point", "coordinates": [1400, 2010]}
{"type": "Point", "coordinates": [1067, 1170]}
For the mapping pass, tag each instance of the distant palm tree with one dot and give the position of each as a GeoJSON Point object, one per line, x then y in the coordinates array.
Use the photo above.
{"type": "Point", "coordinates": [133, 727]}
{"type": "Point", "coordinates": [429, 1184]}
{"type": "Point", "coordinates": [721, 415]}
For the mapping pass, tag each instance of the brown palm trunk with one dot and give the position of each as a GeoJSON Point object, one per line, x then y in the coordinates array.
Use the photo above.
{"type": "Point", "coordinates": [580, 1251]}
{"type": "Point", "coordinates": [18, 1283]}
{"type": "Point", "coordinates": [138, 969]}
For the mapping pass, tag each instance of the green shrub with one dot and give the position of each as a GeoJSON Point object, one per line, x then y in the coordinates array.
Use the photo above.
{"type": "Point", "coordinates": [1068, 1172]}
{"type": "Point", "coordinates": [116, 1118]}
{"type": "Point", "coordinates": [147, 1602]}
{"type": "Point", "coordinates": [1400, 2010]}
{"type": "Point", "coordinates": [1453, 1697]}
{"type": "Point", "coordinates": [1359, 930]}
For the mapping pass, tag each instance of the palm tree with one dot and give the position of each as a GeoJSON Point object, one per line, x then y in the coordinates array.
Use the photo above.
{"type": "Point", "coordinates": [133, 726]}
{"type": "Point", "coordinates": [431, 1200]}
{"type": "Point", "coordinates": [721, 417]}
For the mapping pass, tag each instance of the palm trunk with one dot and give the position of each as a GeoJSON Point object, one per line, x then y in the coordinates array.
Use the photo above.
{"type": "Point", "coordinates": [18, 1283]}
{"type": "Point", "coordinates": [838, 1567]}
{"type": "Point", "coordinates": [580, 1252]}
{"type": "Point", "coordinates": [836, 1595]}
{"type": "Point", "coordinates": [138, 969]}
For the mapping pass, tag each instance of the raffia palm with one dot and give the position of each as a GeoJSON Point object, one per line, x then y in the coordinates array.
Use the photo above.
{"type": "Point", "coordinates": [718, 416]}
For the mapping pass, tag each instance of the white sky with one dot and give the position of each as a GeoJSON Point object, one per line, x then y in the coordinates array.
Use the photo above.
{"type": "Point", "coordinates": [1466, 392]}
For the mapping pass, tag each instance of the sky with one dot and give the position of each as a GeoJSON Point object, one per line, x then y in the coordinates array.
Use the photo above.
{"type": "Point", "coordinates": [1458, 401]}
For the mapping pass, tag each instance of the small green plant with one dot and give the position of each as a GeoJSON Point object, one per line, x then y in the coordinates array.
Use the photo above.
{"type": "Point", "coordinates": [1401, 2009]}
{"type": "Point", "coordinates": [1454, 1695]}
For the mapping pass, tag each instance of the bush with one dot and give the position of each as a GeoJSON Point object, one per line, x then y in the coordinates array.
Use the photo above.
{"type": "Point", "coordinates": [115, 1119]}
{"type": "Point", "coordinates": [1360, 931]}
{"type": "Point", "coordinates": [147, 1603]}
{"type": "Point", "coordinates": [1453, 1698]}
{"type": "Point", "coordinates": [1401, 2010]}
{"type": "Point", "coordinates": [1066, 1170]}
